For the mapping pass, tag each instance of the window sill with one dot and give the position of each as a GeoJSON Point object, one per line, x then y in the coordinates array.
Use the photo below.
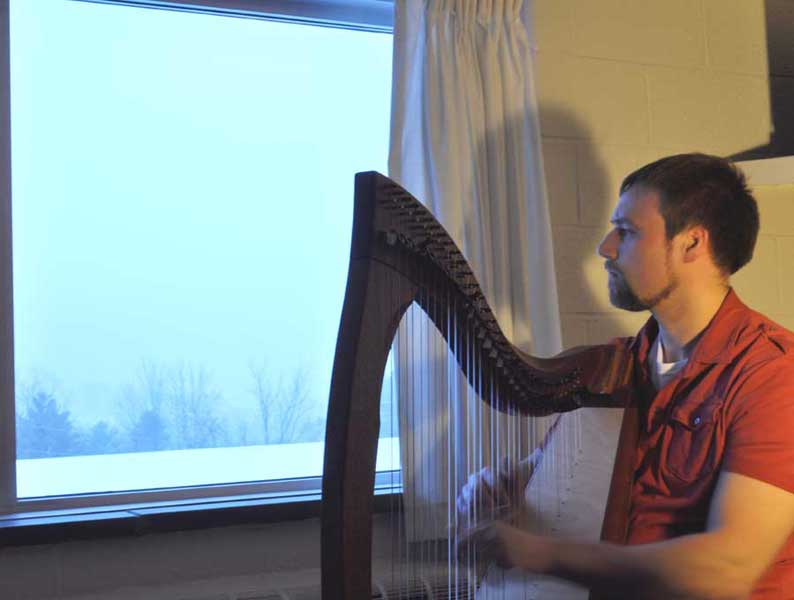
{"type": "Point", "coordinates": [196, 504]}
{"type": "Point", "coordinates": [24, 528]}
{"type": "Point", "coordinates": [29, 528]}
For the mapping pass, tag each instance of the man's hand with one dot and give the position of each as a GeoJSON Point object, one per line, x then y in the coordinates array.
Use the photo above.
{"type": "Point", "coordinates": [495, 494]}
{"type": "Point", "coordinates": [749, 521]}
{"type": "Point", "coordinates": [496, 542]}
{"type": "Point", "coordinates": [489, 499]}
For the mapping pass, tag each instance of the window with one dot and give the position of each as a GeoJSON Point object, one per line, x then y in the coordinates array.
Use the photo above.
{"type": "Point", "coordinates": [181, 203]}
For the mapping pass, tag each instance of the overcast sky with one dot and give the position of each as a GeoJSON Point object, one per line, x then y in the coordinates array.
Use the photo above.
{"type": "Point", "coordinates": [172, 204]}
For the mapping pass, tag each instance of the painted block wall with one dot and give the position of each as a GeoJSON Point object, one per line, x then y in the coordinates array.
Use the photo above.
{"type": "Point", "coordinates": [767, 283]}
{"type": "Point", "coordinates": [620, 82]}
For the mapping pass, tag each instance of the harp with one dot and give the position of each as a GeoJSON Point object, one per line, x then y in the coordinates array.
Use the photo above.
{"type": "Point", "coordinates": [401, 256]}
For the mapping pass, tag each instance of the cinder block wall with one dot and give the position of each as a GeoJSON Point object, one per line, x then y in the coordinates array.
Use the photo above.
{"type": "Point", "coordinates": [767, 283]}
{"type": "Point", "coordinates": [620, 84]}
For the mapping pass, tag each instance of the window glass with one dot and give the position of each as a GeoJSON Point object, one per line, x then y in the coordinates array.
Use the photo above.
{"type": "Point", "coordinates": [182, 204]}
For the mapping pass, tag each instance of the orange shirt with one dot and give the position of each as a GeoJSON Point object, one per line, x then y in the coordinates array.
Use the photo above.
{"type": "Point", "coordinates": [731, 408]}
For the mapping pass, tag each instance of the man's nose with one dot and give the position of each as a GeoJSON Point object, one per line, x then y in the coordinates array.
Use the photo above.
{"type": "Point", "coordinates": [608, 248]}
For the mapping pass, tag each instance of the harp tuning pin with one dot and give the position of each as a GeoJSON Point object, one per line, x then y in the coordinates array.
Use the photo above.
{"type": "Point", "coordinates": [391, 238]}
{"type": "Point", "coordinates": [499, 363]}
{"type": "Point", "coordinates": [493, 353]}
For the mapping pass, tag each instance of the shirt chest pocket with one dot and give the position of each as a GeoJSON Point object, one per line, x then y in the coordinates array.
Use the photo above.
{"type": "Point", "coordinates": [693, 451]}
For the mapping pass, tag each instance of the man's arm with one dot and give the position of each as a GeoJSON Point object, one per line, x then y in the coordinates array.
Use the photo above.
{"type": "Point", "coordinates": [749, 521]}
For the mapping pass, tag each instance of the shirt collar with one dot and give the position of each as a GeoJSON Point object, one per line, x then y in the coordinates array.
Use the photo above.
{"type": "Point", "coordinates": [716, 344]}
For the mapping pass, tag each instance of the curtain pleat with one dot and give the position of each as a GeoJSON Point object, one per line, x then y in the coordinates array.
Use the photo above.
{"type": "Point", "coordinates": [465, 139]}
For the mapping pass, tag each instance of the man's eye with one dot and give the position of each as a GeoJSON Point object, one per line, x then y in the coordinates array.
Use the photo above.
{"type": "Point", "coordinates": [622, 231]}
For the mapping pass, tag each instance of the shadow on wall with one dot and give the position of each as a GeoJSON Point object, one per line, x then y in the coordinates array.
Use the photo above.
{"type": "Point", "coordinates": [780, 56]}
{"type": "Point", "coordinates": [583, 190]}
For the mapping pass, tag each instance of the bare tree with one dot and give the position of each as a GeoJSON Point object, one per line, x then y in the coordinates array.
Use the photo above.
{"type": "Point", "coordinates": [266, 394]}
{"type": "Point", "coordinates": [192, 403]}
{"type": "Point", "coordinates": [143, 410]}
{"type": "Point", "coordinates": [295, 409]}
{"type": "Point", "coordinates": [285, 408]}
{"type": "Point", "coordinates": [171, 408]}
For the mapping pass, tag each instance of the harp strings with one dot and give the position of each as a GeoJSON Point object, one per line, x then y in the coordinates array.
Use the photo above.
{"type": "Point", "coordinates": [449, 428]}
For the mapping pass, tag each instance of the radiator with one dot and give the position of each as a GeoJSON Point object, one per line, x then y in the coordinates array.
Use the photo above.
{"type": "Point", "coordinates": [383, 589]}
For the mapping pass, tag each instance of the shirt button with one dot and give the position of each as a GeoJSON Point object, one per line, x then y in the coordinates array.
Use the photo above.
{"type": "Point", "coordinates": [696, 421]}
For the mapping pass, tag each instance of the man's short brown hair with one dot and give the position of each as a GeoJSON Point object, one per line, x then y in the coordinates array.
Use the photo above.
{"type": "Point", "coordinates": [698, 189]}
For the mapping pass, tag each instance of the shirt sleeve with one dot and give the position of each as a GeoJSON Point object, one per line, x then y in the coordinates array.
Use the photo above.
{"type": "Point", "coordinates": [760, 435]}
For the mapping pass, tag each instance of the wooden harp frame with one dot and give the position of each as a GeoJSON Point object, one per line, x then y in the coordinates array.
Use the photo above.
{"type": "Point", "coordinates": [395, 238]}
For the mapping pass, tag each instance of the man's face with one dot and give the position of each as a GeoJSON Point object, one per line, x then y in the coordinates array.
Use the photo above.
{"type": "Point", "coordinates": [638, 253]}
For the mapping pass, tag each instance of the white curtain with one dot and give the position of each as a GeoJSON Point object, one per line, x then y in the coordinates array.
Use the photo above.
{"type": "Point", "coordinates": [465, 140]}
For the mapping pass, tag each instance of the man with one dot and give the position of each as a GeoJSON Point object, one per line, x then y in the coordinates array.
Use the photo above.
{"type": "Point", "coordinates": [711, 500]}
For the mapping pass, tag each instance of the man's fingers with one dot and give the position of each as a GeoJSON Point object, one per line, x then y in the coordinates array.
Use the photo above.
{"type": "Point", "coordinates": [474, 537]}
{"type": "Point", "coordinates": [491, 494]}
{"type": "Point", "coordinates": [483, 545]}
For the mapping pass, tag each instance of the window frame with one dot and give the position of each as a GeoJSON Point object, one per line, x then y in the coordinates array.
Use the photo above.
{"type": "Point", "coordinates": [41, 520]}
{"type": "Point", "coordinates": [364, 15]}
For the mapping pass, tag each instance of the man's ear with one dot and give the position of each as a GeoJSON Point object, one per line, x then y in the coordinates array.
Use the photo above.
{"type": "Point", "coordinates": [695, 243]}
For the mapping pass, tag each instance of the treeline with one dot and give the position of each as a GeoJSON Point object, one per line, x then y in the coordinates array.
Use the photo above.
{"type": "Point", "coordinates": [165, 408]}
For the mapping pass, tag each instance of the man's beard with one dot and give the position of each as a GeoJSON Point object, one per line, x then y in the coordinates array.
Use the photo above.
{"type": "Point", "coordinates": [622, 296]}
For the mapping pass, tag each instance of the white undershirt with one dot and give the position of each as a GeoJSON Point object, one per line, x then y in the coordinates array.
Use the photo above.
{"type": "Point", "coordinates": [662, 372]}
